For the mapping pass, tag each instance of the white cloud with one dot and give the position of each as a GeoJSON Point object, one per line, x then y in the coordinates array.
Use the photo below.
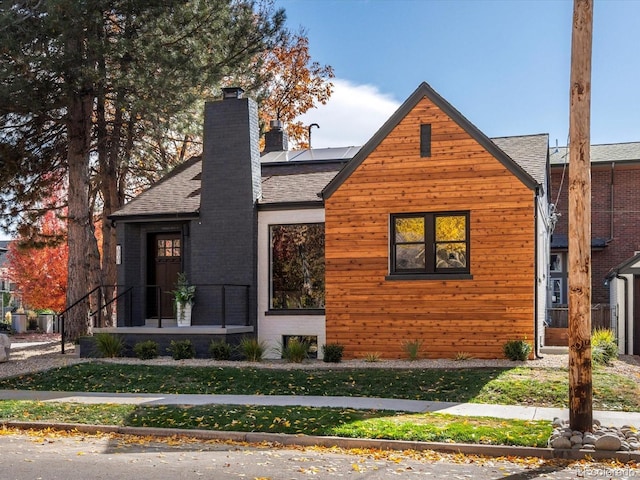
{"type": "Point", "coordinates": [351, 116]}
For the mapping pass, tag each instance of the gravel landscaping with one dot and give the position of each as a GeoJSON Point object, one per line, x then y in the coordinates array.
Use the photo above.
{"type": "Point", "coordinates": [38, 352]}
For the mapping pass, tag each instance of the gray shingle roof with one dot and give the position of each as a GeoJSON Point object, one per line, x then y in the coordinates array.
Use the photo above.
{"type": "Point", "coordinates": [612, 152]}
{"type": "Point", "coordinates": [528, 151]}
{"type": "Point", "coordinates": [294, 188]}
{"type": "Point", "coordinates": [178, 194]}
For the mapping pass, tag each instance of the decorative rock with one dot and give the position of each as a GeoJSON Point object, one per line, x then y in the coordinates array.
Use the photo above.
{"type": "Point", "coordinates": [576, 438]}
{"type": "Point", "coordinates": [557, 422]}
{"type": "Point", "coordinates": [602, 438]}
{"type": "Point", "coordinates": [5, 347]}
{"type": "Point", "coordinates": [608, 442]}
{"type": "Point", "coordinates": [561, 442]}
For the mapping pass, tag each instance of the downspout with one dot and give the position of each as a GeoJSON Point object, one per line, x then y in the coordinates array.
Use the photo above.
{"type": "Point", "coordinates": [536, 343]}
{"type": "Point", "coordinates": [611, 202]}
{"type": "Point", "coordinates": [626, 309]}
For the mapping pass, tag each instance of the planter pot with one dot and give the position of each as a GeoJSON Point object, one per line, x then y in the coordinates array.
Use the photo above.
{"type": "Point", "coordinates": [183, 313]}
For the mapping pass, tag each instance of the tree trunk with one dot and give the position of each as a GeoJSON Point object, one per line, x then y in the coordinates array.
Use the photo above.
{"type": "Point", "coordinates": [580, 381]}
{"type": "Point", "coordinates": [79, 216]}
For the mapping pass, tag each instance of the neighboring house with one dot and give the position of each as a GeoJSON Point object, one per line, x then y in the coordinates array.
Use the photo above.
{"type": "Point", "coordinates": [624, 283]}
{"type": "Point", "coordinates": [5, 283]}
{"type": "Point", "coordinates": [615, 235]}
{"type": "Point", "coordinates": [4, 275]}
{"type": "Point", "coordinates": [431, 231]}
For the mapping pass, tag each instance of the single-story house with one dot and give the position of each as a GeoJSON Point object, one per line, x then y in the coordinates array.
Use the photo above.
{"type": "Point", "coordinates": [430, 232]}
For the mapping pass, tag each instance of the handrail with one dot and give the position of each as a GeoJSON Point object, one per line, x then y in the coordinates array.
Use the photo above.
{"type": "Point", "coordinates": [158, 288]}
{"type": "Point", "coordinates": [60, 316]}
{"type": "Point", "coordinates": [100, 307]}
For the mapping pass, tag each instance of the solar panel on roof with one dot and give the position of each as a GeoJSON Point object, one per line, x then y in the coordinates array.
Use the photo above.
{"type": "Point", "coordinates": [315, 154]}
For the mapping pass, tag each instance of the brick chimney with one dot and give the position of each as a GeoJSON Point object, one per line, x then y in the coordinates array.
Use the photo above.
{"type": "Point", "coordinates": [225, 239]}
{"type": "Point", "coordinates": [276, 139]}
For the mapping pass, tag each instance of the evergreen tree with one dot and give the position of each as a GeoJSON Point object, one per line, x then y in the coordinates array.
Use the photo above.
{"type": "Point", "coordinates": [80, 80]}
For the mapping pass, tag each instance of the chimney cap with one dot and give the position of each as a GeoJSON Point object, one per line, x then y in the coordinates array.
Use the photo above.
{"type": "Point", "coordinates": [232, 92]}
{"type": "Point", "coordinates": [275, 125]}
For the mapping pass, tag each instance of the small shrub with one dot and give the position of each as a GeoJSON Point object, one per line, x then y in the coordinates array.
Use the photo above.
{"type": "Point", "coordinates": [181, 349]}
{"type": "Point", "coordinates": [146, 350]}
{"type": "Point", "coordinates": [371, 357]}
{"type": "Point", "coordinates": [517, 350]}
{"type": "Point", "coordinates": [295, 350]}
{"type": "Point", "coordinates": [109, 346]}
{"type": "Point", "coordinates": [332, 352]}
{"type": "Point", "coordinates": [462, 356]}
{"type": "Point", "coordinates": [7, 317]}
{"type": "Point", "coordinates": [412, 349]}
{"type": "Point", "coordinates": [252, 349]}
{"type": "Point", "coordinates": [603, 346]}
{"type": "Point", "coordinates": [220, 350]}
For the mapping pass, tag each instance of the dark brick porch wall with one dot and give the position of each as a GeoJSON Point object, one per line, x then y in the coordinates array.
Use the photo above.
{"type": "Point", "coordinates": [625, 234]}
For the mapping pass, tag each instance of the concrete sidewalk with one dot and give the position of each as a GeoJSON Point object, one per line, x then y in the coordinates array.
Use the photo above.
{"type": "Point", "coordinates": [606, 418]}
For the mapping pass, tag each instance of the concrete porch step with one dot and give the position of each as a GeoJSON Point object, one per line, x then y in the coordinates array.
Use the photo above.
{"type": "Point", "coordinates": [166, 322]}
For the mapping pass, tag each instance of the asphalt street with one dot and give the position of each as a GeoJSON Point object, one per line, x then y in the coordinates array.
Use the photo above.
{"type": "Point", "coordinates": [51, 456]}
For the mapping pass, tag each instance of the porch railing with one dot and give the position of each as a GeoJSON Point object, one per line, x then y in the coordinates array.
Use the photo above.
{"type": "Point", "coordinates": [225, 304]}
{"type": "Point", "coordinates": [222, 301]}
{"type": "Point", "coordinates": [558, 317]}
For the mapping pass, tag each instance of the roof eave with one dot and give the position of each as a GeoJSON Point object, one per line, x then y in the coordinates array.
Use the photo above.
{"type": "Point", "coordinates": [154, 217]}
{"type": "Point", "coordinates": [291, 205]}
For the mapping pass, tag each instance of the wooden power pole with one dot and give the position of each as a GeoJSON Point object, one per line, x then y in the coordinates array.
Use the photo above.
{"type": "Point", "coordinates": [580, 382]}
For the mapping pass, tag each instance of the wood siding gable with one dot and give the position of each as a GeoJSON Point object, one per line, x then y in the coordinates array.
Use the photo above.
{"type": "Point", "coordinates": [424, 90]}
{"type": "Point", "coordinates": [369, 309]}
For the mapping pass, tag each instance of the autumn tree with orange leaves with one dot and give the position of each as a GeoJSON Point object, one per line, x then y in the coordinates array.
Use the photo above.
{"type": "Point", "coordinates": [294, 84]}
{"type": "Point", "coordinates": [40, 273]}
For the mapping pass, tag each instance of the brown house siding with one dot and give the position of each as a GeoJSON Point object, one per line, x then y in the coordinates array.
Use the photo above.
{"type": "Point", "coordinates": [367, 313]}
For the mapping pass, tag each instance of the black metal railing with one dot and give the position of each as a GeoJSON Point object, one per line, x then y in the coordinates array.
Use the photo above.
{"type": "Point", "coordinates": [61, 316]}
{"type": "Point", "coordinates": [222, 302]}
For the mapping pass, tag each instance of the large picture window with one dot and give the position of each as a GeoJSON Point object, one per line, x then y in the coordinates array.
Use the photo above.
{"type": "Point", "coordinates": [430, 243]}
{"type": "Point", "coordinates": [297, 266]}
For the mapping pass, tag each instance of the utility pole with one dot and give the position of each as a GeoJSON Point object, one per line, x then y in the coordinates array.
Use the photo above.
{"type": "Point", "coordinates": [580, 379]}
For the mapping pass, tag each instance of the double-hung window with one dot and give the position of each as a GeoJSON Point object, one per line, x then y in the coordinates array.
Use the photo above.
{"type": "Point", "coordinates": [429, 243]}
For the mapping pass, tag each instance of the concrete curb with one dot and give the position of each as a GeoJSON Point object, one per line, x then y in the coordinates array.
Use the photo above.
{"type": "Point", "coordinates": [347, 443]}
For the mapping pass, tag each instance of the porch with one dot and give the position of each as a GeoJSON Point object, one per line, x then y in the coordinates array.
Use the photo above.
{"type": "Point", "coordinates": [221, 312]}
{"type": "Point", "coordinates": [556, 332]}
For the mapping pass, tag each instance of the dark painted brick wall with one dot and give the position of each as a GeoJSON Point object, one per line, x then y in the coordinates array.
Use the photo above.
{"type": "Point", "coordinates": [224, 240]}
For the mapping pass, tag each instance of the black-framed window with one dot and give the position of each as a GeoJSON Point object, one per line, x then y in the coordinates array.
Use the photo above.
{"type": "Point", "coordinates": [430, 243]}
{"type": "Point", "coordinates": [425, 140]}
{"type": "Point", "coordinates": [297, 267]}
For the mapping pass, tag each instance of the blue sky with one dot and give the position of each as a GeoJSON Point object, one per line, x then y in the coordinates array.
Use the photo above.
{"type": "Point", "coordinates": [504, 64]}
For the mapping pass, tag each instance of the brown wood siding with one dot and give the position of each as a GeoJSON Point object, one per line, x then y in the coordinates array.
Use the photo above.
{"type": "Point", "coordinates": [367, 313]}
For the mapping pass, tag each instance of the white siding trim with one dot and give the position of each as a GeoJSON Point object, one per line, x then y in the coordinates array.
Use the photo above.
{"type": "Point", "coordinates": [271, 328]}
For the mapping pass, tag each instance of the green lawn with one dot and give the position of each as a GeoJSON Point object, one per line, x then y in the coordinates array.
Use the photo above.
{"type": "Point", "coordinates": [293, 420]}
{"type": "Point", "coordinates": [514, 386]}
